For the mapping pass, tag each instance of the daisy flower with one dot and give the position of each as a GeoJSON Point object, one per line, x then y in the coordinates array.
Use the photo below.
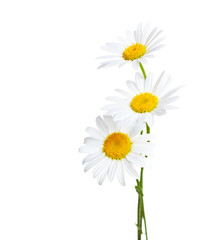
{"type": "Point", "coordinates": [114, 148]}
{"type": "Point", "coordinates": [136, 47]}
{"type": "Point", "coordinates": [143, 101]}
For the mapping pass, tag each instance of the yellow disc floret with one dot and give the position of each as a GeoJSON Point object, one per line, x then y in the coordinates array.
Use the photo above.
{"type": "Point", "coordinates": [117, 145]}
{"type": "Point", "coordinates": [144, 102]}
{"type": "Point", "coordinates": [135, 51]}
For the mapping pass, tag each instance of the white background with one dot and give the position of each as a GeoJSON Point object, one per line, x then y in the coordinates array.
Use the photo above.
{"type": "Point", "coordinates": [51, 90]}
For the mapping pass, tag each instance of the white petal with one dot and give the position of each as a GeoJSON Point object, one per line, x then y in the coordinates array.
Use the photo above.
{"type": "Point", "coordinates": [102, 176]}
{"type": "Point", "coordinates": [114, 99]}
{"type": "Point", "coordinates": [92, 141]}
{"type": "Point", "coordinates": [121, 115]}
{"type": "Point", "coordinates": [137, 129]}
{"type": "Point", "coordinates": [150, 120]}
{"type": "Point", "coordinates": [139, 80]}
{"type": "Point", "coordinates": [112, 61]}
{"type": "Point", "coordinates": [101, 125]}
{"type": "Point", "coordinates": [169, 100]}
{"type": "Point", "coordinates": [129, 168]}
{"type": "Point", "coordinates": [130, 37]}
{"type": "Point", "coordinates": [145, 149]}
{"type": "Point", "coordinates": [112, 169]}
{"type": "Point", "coordinates": [169, 93]}
{"type": "Point", "coordinates": [122, 40]}
{"type": "Point", "coordinates": [142, 117]}
{"type": "Point", "coordinates": [120, 173]}
{"type": "Point", "coordinates": [145, 33]}
{"type": "Point", "coordinates": [116, 106]}
{"type": "Point", "coordinates": [108, 64]}
{"type": "Point", "coordinates": [111, 112]}
{"type": "Point", "coordinates": [122, 64]}
{"type": "Point", "coordinates": [93, 162]}
{"type": "Point", "coordinates": [156, 48]}
{"type": "Point", "coordinates": [114, 47]}
{"type": "Point", "coordinates": [135, 36]}
{"type": "Point", "coordinates": [100, 166]}
{"type": "Point", "coordinates": [135, 64]}
{"type": "Point", "coordinates": [144, 138]}
{"type": "Point", "coordinates": [138, 160]}
{"type": "Point", "coordinates": [154, 43]}
{"type": "Point", "coordinates": [158, 82]}
{"type": "Point", "coordinates": [153, 37]}
{"type": "Point", "coordinates": [148, 83]}
{"type": "Point", "coordinates": [124, 93]}
{"type": "Point", "coordinates": [169, 107]}
{"type": "Point", "coordinates": [138, 33]}
{"type": "Point", "coordinates": [150, 36]}
{"type": "Point", "coordinates": [131, 85]}
{"type": "Point", "coordinates": [165, 81]}
{"type": "Point", "coordinates": [129, 122]}
{"type": "Point", "coordinates": [147, 55]}
{"type": "Point", "coordinates": [91, 156]}
{"type": "Point", "coordinates": [159, 111]}
{"type": "Point", "coordinates": [142, 60]}
{"type": "Point", "coordinates": [110, 106]}
{"type": "Point", "coordinates": [110, 123]}
{"type": "Point", "coordinates": [110, 56]}
{"type": "Point", "coordinates": [95, 133]}
{"type": "Point", "coordinates": [88, 149]}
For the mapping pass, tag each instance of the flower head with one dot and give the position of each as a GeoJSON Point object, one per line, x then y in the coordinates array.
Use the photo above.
{"type": "Point", "coordinates": [114, 148]}
{"type": "Point", "coordinates": [135, 48]}
{"type": "Point", "coordinates": [144, 101]}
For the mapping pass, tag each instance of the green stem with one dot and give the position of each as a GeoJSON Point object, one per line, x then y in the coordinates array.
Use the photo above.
{"type": "Point", "coordinates": [140, 205]}
{"type": "Point", "coordinates": [144, 216]}
{"type": "Point", "coordinates": [143, 71]}
{"type": "Point", "coordinates": [139, 187]}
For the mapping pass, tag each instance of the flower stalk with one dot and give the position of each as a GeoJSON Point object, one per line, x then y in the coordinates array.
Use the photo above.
{"type": "Point", "coordinates": [139, 188]}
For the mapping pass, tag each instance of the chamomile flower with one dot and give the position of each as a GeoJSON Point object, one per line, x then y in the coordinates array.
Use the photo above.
{"type": "Point", "coordinates": [114, 148]}
{"type": "Point", "coordinates": [143, 101]}
{"type": "Point", "coordinates": [137, 47]}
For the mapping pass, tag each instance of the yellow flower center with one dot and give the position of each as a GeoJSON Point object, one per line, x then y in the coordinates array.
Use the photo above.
{"type": "Point", "coordinates": [117, 145]}
{"type": "Point", "coordinates": [135, 51]}
{"type": "Point", "coordinates": [144, 102]}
